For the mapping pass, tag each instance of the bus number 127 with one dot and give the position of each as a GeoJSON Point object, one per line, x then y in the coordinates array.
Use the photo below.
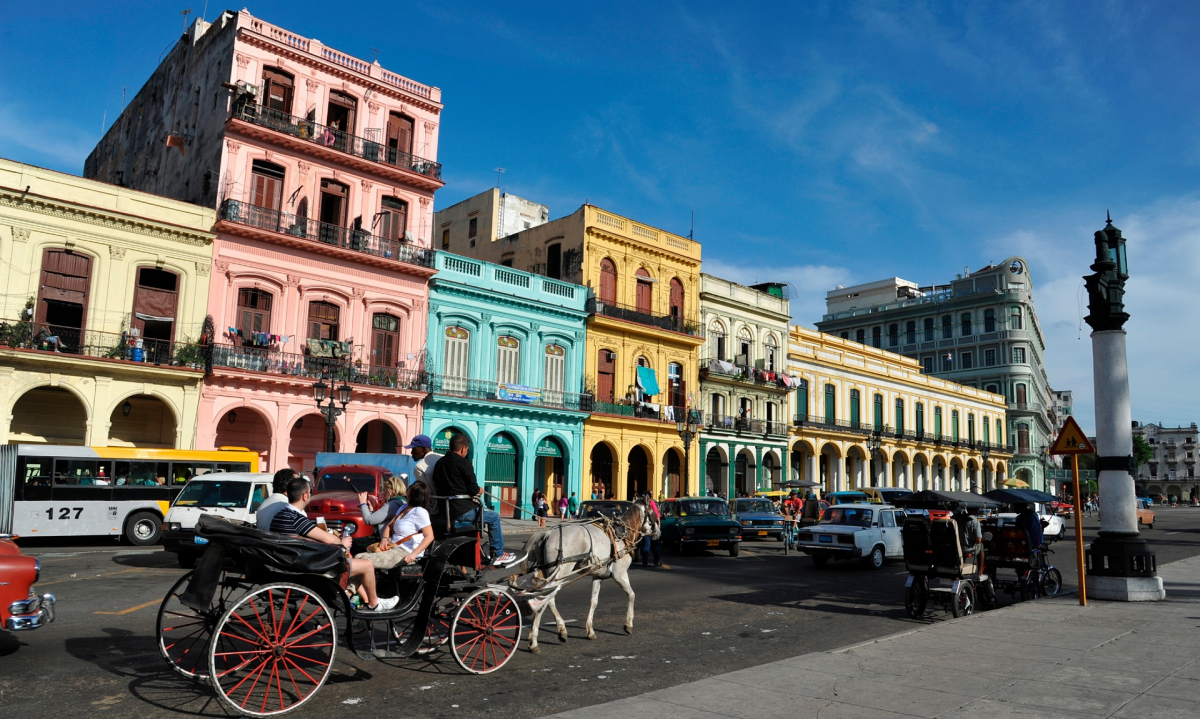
{"type": "Point", "coordinates": [64, 512]}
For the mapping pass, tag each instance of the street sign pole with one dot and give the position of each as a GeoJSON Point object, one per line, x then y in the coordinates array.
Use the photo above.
{"type": "Point", "coordinates": [1078, 531]}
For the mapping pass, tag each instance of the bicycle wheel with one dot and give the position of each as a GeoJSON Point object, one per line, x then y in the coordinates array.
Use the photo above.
{"type": "Point", "coordinates": [916, 598]}
{"type": "Point", "coordinates": [963, 604]}
{"type": "Point", "coordinates": [1051, 582]}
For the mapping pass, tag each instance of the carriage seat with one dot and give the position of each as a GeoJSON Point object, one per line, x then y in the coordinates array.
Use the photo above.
{"type": "Point", "coordinates": [949, 560]}
{"type": "Point", "coordinates": [277, 552]}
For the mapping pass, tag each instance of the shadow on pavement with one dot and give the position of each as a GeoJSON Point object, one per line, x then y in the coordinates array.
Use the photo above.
{"type": "Point", "coordinates": [9, 643]}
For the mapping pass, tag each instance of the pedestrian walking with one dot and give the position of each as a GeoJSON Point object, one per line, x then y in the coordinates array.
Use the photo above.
{"type": "Point", "coordinates": [562, 509]}
{"type": "Point", "coordinates": [538, 501]}
{"type": "Point", "coordinates": [573, 506]}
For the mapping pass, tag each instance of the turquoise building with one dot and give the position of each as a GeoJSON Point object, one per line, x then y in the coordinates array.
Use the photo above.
{"type": "Point", "coordinates": [505, 364]}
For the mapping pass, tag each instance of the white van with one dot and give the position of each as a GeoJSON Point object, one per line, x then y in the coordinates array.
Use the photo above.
{"type": "Point", "coordinates": [234, 496]}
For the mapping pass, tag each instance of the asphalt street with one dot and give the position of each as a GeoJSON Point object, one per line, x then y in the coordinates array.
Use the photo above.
{"type": "Point", "coordinates": [697, 617]}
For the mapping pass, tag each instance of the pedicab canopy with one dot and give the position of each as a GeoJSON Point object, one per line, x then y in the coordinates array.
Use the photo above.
{"type": "Point", "coordinates": [1019, 496]}
{"type": "Point", "coordinates": [930, 499]}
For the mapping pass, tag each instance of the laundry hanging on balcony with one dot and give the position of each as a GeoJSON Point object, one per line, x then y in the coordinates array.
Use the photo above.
{"type": "Point", "coordinates": [647, 382]}
{"type": "Point", "coordinates": [721, 367]}
{"type": "Point", "coordinates": [328, 348]}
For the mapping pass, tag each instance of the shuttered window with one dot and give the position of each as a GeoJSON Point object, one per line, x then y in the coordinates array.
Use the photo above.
{"type": "Point", "coordinates": [508, 360]}
{"type": "Point", "coordinates": [556, 368]}
{"type": "Point", "coordinates": [254, 312]}
{"type": "Point", "coordinates": [802, 399]}
{"type": "Point", "coordinates": [277, 88]}
{"type": "Point", "coordinates": [458, 345]}
{"type": "Point", "coordinates": [323, 321]}
{"type": "Point", "coordinates": [266, 185]}
{"type": "Point", "coordinates": [65, 286]}
{"type": "Point", "coordinates": [608, 281]}
{"type": "Point", "coordinates": [399, 135]}
{"type": "Point", "coordinates": [645, 292]}
{"type": "Point", "coordinates": [155, 300]}
{"type": "Point", "coordinates": [385, 340]}
{"type": "Point", "coordinates": [606, 368]}
{"type": "Point", "coordinates": [676, 301]}
{"type": "Point", "coordinates": [393, 219]}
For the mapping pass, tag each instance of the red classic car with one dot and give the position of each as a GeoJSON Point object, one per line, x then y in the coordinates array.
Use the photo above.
{"type": "Point", "coordinates": [20, 608]}
{"type": "Point", "coordinates": [335, 498]}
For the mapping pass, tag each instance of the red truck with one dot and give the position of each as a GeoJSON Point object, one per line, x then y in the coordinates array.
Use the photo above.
{"type": "Point", "coordinates": [335, 497]}
{"type": "Point", "coordinates": [20, 607]}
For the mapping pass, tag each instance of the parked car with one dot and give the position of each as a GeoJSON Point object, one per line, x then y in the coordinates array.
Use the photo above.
{"type": "Point", "coordinates": [848, 498]}
{"type": "Point", "coordinates": [335, 498]}
{"type": "Point", "coordinates": [593, 508]}
{"type": "Point", "coordinates": [1145, 515]}
{"type": "Point", "coordinates": [1053, 526]}
{"type": "Point", "coordinates": [871, 532]}
{"type": "Point", "coordinates": [690, 522]}
{"type": "Point", "coordinates": [21, 608]}
{"type": "Point", "coordinates": [234, 496]}
{"type": "Point", "coordinates": [759, 519]}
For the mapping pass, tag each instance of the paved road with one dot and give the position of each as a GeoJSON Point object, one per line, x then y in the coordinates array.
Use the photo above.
{"type": "Point", "coordinates": [705, 615]}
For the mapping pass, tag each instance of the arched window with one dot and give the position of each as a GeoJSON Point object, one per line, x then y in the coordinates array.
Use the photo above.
{"type": "Point", "coordinates": [393, 219]}
{"type": "Point", "coordinates": [878, 412]}
{"type": "Point", "coordinates": [899, 418]}
{"type": "Point", "coordinates": [266, 190]}
{"type": "Point", "coordinates": [608, 281]}
{"type": "Point", "coordinates": [989, 320]}
{"type": "Point", "coordinates": [910, 333]}
{"type": "Point", "coordinates": [893, 335]}
{"type": "Point", "coordinates": [677, 303]}
{"type": "Point", "coordinates": [929, 329]}
{"type": "Point", "coordinates": [716, 340]}
{"type": "Point", "coordinates": [876, 336]}
{"type": "Point", "coordinates": [860, 336]}
{"type": "Point", "coordinates": [954, 425]}
{"type": "Point", "coordinates": [324, 321]}
{"type": "Point", "coordinates": [745, 348]}
{"type": "Point", "coordinates": [920, 418]}
{"type": "Point", "coordinates": [676, 386]}
{"type": "Point", "coordinates": [855, 408]}
{"type": "Point", "coordinates": [645, 291]}
{"type": "Point", "coordinates": [971, 428]}
{"type": "Point", "coordinates": [385, 340]}
{"type": "Point", "coordinates": [999, 432]}
{"type": "Point", "coordinates": [947, 327]}
{"type": "Point", "coordinates": [606, 370]}
{"type": "Point", "coordinates": [1015, 320]}
{"type": "Point", "coordinates": [253, 315]}
{"type": "Point", "coordinates": [508, 360]}
{"type": "Point", "coordinates": [830, 404]}
{"type": "Point", "coordinates": [802, 399]}
{"type": "Point", "coordinates": [966, 324]}
{"type": "Point", "coordinates": [772, 352]}
{"type": "Point", "coordinates": [937, 422]}
{"type": "Point", "coordinates": [277, 90]}
{"type": "Point", "coordinates": [986, 435]}
{"type": "Point", "coordinates": [1022, 438]}
{"type": "Point", "coordinates": [556, 368]}
{"type": "Point", "coordinates": [455, 359]}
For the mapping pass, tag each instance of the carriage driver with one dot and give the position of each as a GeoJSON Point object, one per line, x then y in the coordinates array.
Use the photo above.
{"type": "Point", "coordinates": [971, 534]}
{"type": "Point", "coordinates": [454, 475]}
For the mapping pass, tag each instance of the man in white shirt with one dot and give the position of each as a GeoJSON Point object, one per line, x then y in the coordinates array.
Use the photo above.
{"type": "Point", "coordinates": [425, 457]}
{"type": "Point", "coordinates": [278, 499]}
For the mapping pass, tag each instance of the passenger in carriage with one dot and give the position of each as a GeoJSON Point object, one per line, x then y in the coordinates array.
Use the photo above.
{"type": "Point", "coordinates": [292, 520]}
{"type": "Point", "coordinates": [454, 475]}
{"type": "Point", "coordinates": [394, 500]}
{"type": "Point", "coordinates": [277, 501]}
{"type": "Point", "coordinates": [407, 537]}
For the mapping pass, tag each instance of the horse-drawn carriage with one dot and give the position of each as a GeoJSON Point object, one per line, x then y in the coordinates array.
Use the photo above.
{"type": "Point", "coordinates": [258, 616]}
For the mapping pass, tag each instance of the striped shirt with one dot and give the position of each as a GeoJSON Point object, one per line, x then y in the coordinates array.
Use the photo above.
{"type": "Point", "coordinates": [290, 520]}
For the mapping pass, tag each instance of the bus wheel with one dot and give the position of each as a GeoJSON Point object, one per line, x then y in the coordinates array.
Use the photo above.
{"type": "Point", "coordinates": [143, 529]}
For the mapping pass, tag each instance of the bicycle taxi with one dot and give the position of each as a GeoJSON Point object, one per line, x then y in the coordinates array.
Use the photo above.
{"type": "Point", "coordinates": [258, 616]}
{"type": "Point", "coordinates": [942, 569]}
{"type": "Point", "coordinates": [1014, 564]}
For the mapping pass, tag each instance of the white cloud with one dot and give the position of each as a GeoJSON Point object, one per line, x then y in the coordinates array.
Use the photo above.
{"type": "Point", "coordinates": [26, 135]}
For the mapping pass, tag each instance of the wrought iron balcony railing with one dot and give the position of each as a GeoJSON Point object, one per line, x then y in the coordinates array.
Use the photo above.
{"type": "Point", "coordinates": [487, 389]}
{"type": "Point", "coordinates": [347, 238]}
{"type": "Point", "coordinates": [290, 364]}
{"type": "Point", "coordinates": [634, 314]}
{"type": "Point", "coordinates": [743, 373]}
{"type": "Point", "coordinates": [102, 345]}
{"type": "Point", "coordinates": [331, 137]}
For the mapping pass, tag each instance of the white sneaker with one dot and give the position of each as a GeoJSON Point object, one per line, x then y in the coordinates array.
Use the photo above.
{"type": "Point", "coordinates": [506, 559]}
{"type": "Point", "coordinates": [385, 604]}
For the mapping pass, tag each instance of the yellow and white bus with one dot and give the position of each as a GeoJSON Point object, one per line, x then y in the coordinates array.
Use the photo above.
{"type": "Point", "coordinates": [70, 491]}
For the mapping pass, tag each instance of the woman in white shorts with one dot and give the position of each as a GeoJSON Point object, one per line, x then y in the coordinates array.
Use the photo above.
{"type": "Point", "coordinates": [408, 536]}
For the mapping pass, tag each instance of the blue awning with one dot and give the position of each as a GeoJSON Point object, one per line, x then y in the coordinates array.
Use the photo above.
{"type": "Point", "coordinates": [646, 381]}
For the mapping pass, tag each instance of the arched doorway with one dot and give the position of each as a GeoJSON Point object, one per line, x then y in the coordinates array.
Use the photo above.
{"type": "Point", "coordinates": [307, 438]}
{"type": "Point", "coordinates": [601, 471]}
{"type": "Point", "coordinates": [770, 471]}
{"type": "Point", "coordinates": [142, 421]}
{"type": "Point", "coordinates": [672, 480]}
{"type": "Point", "coordinates": [744, 470]}
{"type": "Point", "coordinates": [48, 415]}
{"type": "Point", "coordinates": [714, 472]}
{"type": "Point", "coordinates": [638, 477]}
{"type": "Point", "coordinates": [377, 437]}
{"type": "Point", "coordinates": [502, 472]}
{"type": "Point", "coordinates": [829, 464]}
{"type": "Point", "coordinates": [550, 469]}
{"type": "Point", "coordinates": [900, 471]}
{"type": "Point", "coordinates": [243, 427]}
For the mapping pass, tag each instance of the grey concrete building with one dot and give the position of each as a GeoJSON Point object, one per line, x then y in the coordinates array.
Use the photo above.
{"type": "Point", "coordinates": [980, 330]}
{"type": "Point", "coordinates": [474, 226]}
{"type": "Point", "coordinates": [1171, 472]}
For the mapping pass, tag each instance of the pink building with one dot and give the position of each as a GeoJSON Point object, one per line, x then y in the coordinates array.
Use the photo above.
{"type": "Point", "coordinates": [321, 167]}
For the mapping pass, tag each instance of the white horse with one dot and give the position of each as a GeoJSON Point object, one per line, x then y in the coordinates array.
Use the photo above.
{"type": "Point", "coordinates": [557, 554]}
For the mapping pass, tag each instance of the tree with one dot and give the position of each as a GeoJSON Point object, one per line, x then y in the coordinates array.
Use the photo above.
{"type": "Point", "coordinates": [1142, 451]}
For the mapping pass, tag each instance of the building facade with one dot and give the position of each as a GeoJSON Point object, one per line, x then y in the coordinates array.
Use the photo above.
{"type": "Point", "coordinates": [1171, 472]}
{"type": "Point", "coordinates": [744, 386]}
{"type": "Point", "coordinates": [980, 330]}
{"type": "Point", "coordinates": [479, 221]}
{"type": "Point", "coordinates": [321, 167]}
{"type": "Point", "coordinates": [105, 296]}
{"type": "Point", "coordinates": [505, 367]}
{"type": "Point", "coordinates": [643, 341]}
{"type": "Point", "coordinates": [865, 417]}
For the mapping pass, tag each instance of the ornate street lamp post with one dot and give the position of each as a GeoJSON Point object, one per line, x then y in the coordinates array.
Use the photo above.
{"type": "Point", "coordinates": [688, 427]}
{"type": "Point", "coordinates": [330, 410]}
{"type": "Point", "coordinates": [985, 453]}
{"type": "Point", "coordinates": [874, 442]}
{"type": "Point", "coordinates": [1120, 565]}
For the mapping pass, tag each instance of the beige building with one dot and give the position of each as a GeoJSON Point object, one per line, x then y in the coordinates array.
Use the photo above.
{"type": "Point", "coordinates": [474, 226]}
{"type": "Point", "coordinates": [105, 296]}
{"type": "Point", "coordinates": [866, 417]}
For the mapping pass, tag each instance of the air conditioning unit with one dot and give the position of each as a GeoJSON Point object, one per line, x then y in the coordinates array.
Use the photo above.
{"type": "Point", "coordinates": [246, 88]}
{"type": "Point", "coordinates": [612, 357]}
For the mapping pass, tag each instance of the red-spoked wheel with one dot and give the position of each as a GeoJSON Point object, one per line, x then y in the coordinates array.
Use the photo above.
{"type": "Point", "coordinates": [272, 650]}
{"type": "Point", "coordinates": [183, 633]}
{"type": "Point", "coordinates": [485, 631]}
{"type": "Point", "coordinates": [437, 632]}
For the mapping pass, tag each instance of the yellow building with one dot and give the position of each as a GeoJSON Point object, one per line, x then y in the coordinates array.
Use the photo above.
{"type": "Point", "coordinates": [105, 295]}
{"type": "Point", "coordinates": [643, 340]}
{"type": "Point", "coordinates": [865, 417]}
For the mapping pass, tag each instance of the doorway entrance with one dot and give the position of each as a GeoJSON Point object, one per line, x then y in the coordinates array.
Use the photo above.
{"type": "Point", "coordinates": [501, 472]}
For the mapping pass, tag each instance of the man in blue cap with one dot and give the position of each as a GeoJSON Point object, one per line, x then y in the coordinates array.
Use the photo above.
{"type": "Point", "coordinates": [425, 457]}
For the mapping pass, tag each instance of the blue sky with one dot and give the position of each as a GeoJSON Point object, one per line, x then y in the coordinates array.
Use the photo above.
{"type": "Point", "coordinates": [817, 143]}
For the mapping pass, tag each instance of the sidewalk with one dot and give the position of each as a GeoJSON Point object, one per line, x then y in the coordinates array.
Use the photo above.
{"type": "Point", "coordinates": [1045, 658]}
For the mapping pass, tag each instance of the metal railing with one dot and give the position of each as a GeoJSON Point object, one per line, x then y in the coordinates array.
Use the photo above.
{"type": "Point", "coordinates": [638, 410]}
{"type": "Point", "coordinates": [291, 364]}
{"type": "Point", "coordinates": [122, 346]}
{"type": "Point", "coordinates": [741, 373]}
{"type": "Point", "coordinates": [347, 238]}
{"type": "Point", "coordinates": [487, 389]}
{"type": "Point", "coordinates": [654, 319]}
{"type": "Point", "coordinates": [331, 137]}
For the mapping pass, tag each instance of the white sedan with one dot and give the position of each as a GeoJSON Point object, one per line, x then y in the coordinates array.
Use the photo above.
{"type": "Point", "coordinates": [870, 532]}
{"type": "Point", "coordinates": [1053, 526]}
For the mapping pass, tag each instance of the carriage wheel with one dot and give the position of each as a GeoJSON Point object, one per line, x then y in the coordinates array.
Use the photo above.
{"type": "Point", "coordinates": [485, 631]}
{"type": "Point", "coordinates": [962, 604]}
{"type": "Point", "coordinates": [274, 649]}
{"type": "Point", "coordinates": [916, 598]}
{"type": "Point", "coordinates": [183, 633]}
{"type": "Point", "coordinates": [437, 632]}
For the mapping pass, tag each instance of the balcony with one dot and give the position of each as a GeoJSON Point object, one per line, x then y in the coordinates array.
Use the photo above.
{"type": "Point", "coordinates": [117, 346]}
{"type": "Point", "coordinates": [314, 138]}
{"type": "Point", "coordinates": [489, 390]}
{"type": "Point", "coordinates": [714, 368]}
{"type": "Point", "coordinates": [303, 367]}
{"type": "Point", "coordinates": [286, 228]}
{"type": "Point", "coordinates": [638, 410]}
{"type": "Point", "coordinates": [653, 319]}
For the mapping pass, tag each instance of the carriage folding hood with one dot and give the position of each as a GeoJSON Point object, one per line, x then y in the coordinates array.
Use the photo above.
{"type": "Point", "coordinates": [179, 526]}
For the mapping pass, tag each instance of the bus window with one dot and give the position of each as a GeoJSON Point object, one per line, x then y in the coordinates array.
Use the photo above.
{"type": "Point", "coordinates": [233, 466]}
{"type": "Point", "coordinates": [36, 473]}
{"type": "Point", "coordinates": [121, 475]}
{"type": "Point", "coordinates": [82, 480]}
{"type": "Point", "coordinates": [183, 471]}
{"type": "Point", "coordinates": [148, 473]}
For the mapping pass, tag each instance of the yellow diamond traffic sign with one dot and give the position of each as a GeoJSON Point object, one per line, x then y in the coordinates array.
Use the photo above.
{"type": "Point", "coordinates": [1072, 440]}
